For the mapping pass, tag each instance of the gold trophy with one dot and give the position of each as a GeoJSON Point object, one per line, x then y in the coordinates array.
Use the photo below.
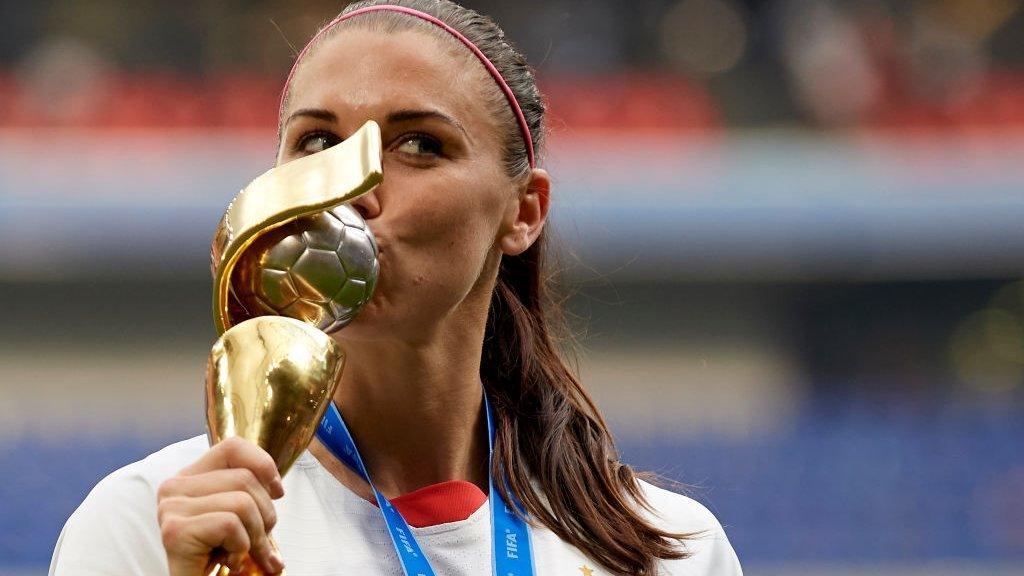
{"type": "Point", "coordinates": [292, 262]}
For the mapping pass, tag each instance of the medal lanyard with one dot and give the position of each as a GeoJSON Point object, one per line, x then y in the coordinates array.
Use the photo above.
{"type": "Point", "coordinates": [512, 555]}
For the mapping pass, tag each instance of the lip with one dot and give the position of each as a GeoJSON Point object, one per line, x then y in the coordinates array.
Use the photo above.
{"type": "Point", "coordinates": [381, 244]}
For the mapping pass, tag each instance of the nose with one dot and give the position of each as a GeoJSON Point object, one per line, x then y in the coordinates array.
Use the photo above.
{"type": "Point", "coordinates": [367, 205]}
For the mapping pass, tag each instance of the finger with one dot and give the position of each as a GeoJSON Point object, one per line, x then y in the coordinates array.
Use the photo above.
{"type": "Point", "coordinates": [215, 482]}
{"type": "Point", "coordinates": [239, 453]}
{"type": "Point", "coordinates": [192, 537]}
{"type": "Point", "coordinates": [238, 503]}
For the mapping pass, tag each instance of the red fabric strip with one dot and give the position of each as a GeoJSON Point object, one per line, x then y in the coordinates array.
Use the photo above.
{"type": "Point", "coordinates": [441, 503]}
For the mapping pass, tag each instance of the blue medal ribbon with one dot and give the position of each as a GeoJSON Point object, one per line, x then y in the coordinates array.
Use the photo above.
{"type": "Point", "coordinates": [512, 553]}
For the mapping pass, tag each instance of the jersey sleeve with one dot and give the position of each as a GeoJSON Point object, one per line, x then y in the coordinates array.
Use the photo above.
{"type": "Point", "coordinates": [711, 553]}
{"type": "Point", "coordinates": [114, 531]}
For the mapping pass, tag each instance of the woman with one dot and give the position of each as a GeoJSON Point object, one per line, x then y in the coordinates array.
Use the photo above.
{"type": "Point", "coordinates": [460, 306]}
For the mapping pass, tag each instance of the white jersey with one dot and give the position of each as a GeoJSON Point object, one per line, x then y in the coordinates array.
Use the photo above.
{"type": "Point", "coordinates": [324, 529]}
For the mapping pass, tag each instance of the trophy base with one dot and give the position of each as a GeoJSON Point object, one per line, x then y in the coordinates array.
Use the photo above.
{"type": "Point", "coordinates": [246, 567]}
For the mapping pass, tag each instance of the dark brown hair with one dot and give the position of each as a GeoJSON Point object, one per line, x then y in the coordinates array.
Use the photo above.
{"type": "Point", "coordinates": [552, 444]}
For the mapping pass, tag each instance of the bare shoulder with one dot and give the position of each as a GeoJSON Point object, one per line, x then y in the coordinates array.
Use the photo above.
{"type": "Point", "coordinates": [711, 553]}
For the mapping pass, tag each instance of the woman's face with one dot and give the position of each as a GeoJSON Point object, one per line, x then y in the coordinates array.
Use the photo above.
{"type": "Point", "coordinates": [445, 200]}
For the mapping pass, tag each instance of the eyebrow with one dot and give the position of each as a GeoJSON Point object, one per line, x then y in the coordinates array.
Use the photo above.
{"type": "Point", "coordinates": [315, 113]}
{"type": "Point", "coordinates": [398, 116]}
{"type": "Point", "coordinates": [410, 115]}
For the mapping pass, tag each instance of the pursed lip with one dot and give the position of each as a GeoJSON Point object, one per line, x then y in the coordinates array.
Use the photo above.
{"type": "Point", "coordinates": [378, 241]}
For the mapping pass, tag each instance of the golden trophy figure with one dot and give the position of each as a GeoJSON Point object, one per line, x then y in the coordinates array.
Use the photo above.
{"type": "Point", "coordinates": [292, 263]}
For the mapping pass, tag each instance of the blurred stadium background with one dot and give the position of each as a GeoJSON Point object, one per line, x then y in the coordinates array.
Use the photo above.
{"type": "Point", "coordinates": [794, 230]}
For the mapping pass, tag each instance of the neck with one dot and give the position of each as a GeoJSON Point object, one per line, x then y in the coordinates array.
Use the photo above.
{"type": "Point", "coordinates": [416, 414]}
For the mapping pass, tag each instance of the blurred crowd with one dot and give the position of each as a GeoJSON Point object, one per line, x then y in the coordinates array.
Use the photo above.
{"type": "Point", "coordinates": [645, 64]}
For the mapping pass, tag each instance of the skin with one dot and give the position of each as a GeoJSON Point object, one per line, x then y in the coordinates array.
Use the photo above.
{"type": "Point", "coordinates": [443, 217]}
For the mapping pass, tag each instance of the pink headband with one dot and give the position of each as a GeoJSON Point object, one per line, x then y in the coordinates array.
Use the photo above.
{"type": "Point", "coordinates": [509, 95]}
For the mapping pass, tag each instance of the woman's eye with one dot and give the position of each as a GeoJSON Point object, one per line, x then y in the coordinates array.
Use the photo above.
{"type": "Point", "coordinates": [418, 144]}
{"type": "Point", "coordinates": [316, 142]}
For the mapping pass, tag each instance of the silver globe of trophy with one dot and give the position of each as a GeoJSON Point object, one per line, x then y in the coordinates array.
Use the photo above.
{"type": "Point", "coordinates": [320, 268]}
{"type": "Point", "coordinates": [292, 262]}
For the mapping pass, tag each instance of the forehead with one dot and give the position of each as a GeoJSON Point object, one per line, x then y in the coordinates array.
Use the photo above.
{"type": "Point", "coordinates": [363, 73]}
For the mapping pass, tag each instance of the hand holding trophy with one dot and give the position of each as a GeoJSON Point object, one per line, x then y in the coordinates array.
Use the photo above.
{"type": "Point", "coordinates": [292, 263]}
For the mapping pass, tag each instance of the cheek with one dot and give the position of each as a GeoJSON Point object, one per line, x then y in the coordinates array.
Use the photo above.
{"type": "Point", "coordinates": [440, 206]}
{"type": "Point", "coordinates": [448, 230]}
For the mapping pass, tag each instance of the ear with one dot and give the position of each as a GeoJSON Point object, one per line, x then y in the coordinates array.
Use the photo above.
{"type": "Point", "coordinates": [526, 214]}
